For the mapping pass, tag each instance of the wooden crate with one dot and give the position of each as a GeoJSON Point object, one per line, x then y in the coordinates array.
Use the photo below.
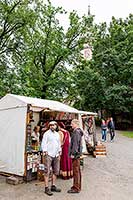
{"type": "Point", "coordinates": [100, 150]}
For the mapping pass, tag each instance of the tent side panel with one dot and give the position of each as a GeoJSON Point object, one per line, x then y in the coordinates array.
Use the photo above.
{"type": "Point", "coordinates": [12, 137]}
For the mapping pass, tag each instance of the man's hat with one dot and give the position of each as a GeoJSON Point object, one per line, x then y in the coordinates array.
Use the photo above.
{"type": "Point", "coordinates": [52, 123]}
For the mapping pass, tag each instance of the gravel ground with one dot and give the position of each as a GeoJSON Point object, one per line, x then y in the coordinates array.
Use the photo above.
{"type": "Point", "coordinates": [103, 178]}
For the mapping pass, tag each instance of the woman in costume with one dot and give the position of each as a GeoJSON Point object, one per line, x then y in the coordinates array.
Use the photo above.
{"type": "Point", "coordinates": [65, 162]}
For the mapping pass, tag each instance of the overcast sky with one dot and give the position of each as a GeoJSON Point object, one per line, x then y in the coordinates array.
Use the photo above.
{"type": "Point", "coordinates": [102, 9]}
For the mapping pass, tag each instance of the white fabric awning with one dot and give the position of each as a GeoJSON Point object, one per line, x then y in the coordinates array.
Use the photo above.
{"type": "Point", "coordinates": [11, 101]}
{"type": "Point", "coordinates": [18, 101]}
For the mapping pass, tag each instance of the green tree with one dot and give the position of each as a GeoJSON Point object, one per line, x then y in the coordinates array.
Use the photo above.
{"type": "Point", "coordinates": [14, 17]}
{"type": "Point", "coordinates": [50, 46]}
{"type": "Point", "coordinates": [41, 45]}
{"type": "Point", "coordinates": [116, 64]}
{"type": "Point", "coordinates": [105, 82]}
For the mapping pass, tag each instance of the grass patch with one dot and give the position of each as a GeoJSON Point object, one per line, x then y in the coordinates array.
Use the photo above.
{"type": "Point", "coordinates": [128, 134]}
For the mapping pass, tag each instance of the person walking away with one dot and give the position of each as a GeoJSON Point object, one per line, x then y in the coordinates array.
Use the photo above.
{"type": "Point", "coordinates": [75, 152]}
{"type": "Point", "coordinates": [51, 148]}
{"type": "Point", "coordinates": [65, 161]}
{"type": "Point", "coordinates": [111, 128]}
{"type": "Point", "coordinates": [104, 130]}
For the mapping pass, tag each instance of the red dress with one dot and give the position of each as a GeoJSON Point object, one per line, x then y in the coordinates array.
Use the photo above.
{"type": "Point", "coordinates": [66, 162]}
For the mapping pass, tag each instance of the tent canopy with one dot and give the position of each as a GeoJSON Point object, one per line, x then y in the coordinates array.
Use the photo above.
{"type": "Point", "coordinates": [11, 100]}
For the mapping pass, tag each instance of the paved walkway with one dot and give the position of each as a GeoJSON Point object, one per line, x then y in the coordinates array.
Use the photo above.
{"type": "Point", "coordinates": [106, 178]}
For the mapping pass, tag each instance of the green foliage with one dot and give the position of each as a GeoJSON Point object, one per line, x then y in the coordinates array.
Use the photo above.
{"type": "Point", "coordinates": [89, 86]}
{"type": "Point", "coordinates": [14, 17]}
{"type": "Point", "coordinates": [39, 58]}
{"type": "Point", "coordinates": [118, 97]}
{"type": "Point", "coordinates": [112, 60]}
{"type": "Point", "coordinates": [37, 44]}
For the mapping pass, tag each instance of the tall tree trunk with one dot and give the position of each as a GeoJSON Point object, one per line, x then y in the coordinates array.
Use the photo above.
{"type": "Point", "coordinates": [43, 96]}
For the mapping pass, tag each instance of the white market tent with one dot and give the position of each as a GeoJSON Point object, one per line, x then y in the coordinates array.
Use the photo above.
{"type": "Point", "coordinates": [13, 101]}
{"type": "Point", "coordinates": [13, 113]}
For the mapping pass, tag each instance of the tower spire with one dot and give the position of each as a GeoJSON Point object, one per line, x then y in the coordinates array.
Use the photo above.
{"type": "Point", "coordinates": [89, 12]}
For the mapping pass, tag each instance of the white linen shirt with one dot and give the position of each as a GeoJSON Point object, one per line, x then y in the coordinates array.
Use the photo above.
{"type": "Point", "coordinates": [51, 143]}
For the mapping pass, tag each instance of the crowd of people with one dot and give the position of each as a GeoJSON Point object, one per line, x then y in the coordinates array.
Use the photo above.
{"type": "Point", "coordinates": [61, 153]}
{"type": "Point", "coordinates": [62, 150]}
{"type": "Point", "coordinates": [108, 126]}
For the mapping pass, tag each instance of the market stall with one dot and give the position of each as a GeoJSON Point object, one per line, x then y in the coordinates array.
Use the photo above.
{"type": "Point", "coordinates": [18, 116]}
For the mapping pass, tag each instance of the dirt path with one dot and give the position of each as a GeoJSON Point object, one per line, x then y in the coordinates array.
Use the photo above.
{"type": "Point", "coordinates": [106, 178]}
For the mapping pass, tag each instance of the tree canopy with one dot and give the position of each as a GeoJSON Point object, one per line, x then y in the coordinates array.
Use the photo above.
{"type": "Point", "coordinates": [39, 58]}
{"type": "Point", "coordinates": [106, 81]}
{"type": "Point", "coordinates": [39, 43]}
